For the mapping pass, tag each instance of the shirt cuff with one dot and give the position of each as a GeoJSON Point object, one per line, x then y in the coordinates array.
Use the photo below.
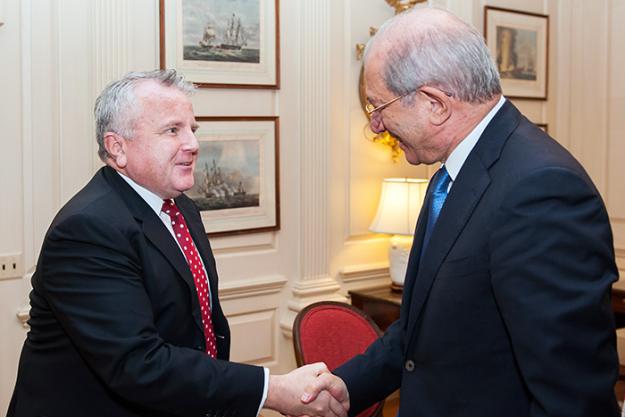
{"type": "Point", "coordinates": [265, 388]}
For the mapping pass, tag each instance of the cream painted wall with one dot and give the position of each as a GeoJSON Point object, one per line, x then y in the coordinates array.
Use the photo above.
{"type": "Point", "coordinates": [58, 54]}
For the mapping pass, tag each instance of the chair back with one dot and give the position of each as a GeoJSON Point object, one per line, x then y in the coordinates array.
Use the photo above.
{"type": "Point", "coordinates": [333, 333]}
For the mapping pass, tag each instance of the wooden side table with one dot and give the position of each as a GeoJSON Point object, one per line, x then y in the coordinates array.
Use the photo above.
{"type": "Point", "coordinates": [381, 304]}
{"type": "Point", "coordinates": [618, 306]}
{"type": "Point", "coordinates": [618, 303]}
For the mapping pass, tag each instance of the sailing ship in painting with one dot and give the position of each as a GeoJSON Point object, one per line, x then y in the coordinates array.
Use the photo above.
{"type": "Point", "coordinates": [234, 36]}
{"type": "Point", "coordinates": [229, 44]}
{"type": "Point", "coordinates": [216, 191]}
{"type": "Point", "coordinates": [209, 37]}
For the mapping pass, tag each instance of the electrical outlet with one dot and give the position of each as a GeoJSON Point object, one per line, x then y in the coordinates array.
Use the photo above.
{"type": "Point", "coordinates": [11, 265]}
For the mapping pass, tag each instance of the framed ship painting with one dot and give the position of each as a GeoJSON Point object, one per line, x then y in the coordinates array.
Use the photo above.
{"type": "Point", "coordinates": [236, 174]}
{"type": "Point", "coordinates": [222, 43]}
{"type": "Point", "coordinates": [519, 43]}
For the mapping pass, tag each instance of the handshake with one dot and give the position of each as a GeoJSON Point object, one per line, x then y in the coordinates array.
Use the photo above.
{"type": "Point", "coordinates": [308, 391]}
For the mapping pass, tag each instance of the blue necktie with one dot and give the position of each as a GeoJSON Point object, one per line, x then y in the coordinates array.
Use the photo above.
{"type": "Point", "coordinates": [435, 200]}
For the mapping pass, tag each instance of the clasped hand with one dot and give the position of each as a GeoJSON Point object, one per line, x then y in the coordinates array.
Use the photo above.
{"type": "Point", "coordinates": [308, 391]}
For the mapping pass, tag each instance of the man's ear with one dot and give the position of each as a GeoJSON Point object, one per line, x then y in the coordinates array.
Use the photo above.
{"type": "Point", "coordinates": [440, 104]}
{"type": "Point", "coordinates": [115, 146]}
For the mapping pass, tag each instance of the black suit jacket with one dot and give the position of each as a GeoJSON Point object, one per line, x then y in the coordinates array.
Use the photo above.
{"type": "Point", "coordinates": [508, 311]}
{"type": "Point", "coordinates": [115, 320]}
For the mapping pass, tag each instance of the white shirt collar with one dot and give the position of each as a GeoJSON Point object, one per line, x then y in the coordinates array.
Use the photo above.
{"type": "Point", "coordinates": [154, 201]}
{"type": "Point", "coordinates": [464, 148]}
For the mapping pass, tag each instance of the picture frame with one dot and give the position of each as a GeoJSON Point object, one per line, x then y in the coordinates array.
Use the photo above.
{"type": "Point", "coordinates": [237, 184]}
{"type": "Point", "coordinates": [222, 43]}
{"type": "Point", "coordinates": [519, 44]}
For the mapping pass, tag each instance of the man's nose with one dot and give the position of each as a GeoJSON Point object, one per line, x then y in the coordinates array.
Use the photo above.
{"type": "Point", "coordinates": [191, 142]}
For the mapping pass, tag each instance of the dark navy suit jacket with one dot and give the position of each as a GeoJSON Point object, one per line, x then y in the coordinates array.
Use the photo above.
{"type": "Point", "coordinates": [508, 313]}
{"type": "Point", "coordinates": [115, 320]}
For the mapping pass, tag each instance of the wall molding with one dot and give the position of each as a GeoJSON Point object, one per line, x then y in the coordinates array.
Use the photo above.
{"type": "Point", "coordinates": [112, 48]}
{"type": "Point", "coordinates": [314, 282]}
{"type": "Point", "coordinates": [252, 306]}
{"type": "Point", "coordinates": [28, 259]}
{"type": "Point", "coordinates": [244, 244]}
{"type": "Point", "coordinates": [315, 287]}
{"type": "Point", "coordinates": [251, 287]}
{"type": "Point", "coordinates": [306, 293]}
{"type": "Point", "coordinates": [314, 50]}
{"type": "Point", "coordinates": [364, 272]}
{"type": "Point", "coordinates": [257, 325]}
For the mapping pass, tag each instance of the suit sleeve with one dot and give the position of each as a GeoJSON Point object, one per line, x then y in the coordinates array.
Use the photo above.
{"type": "Point", "coordinates": [375, 374]}
{"type": "Point", "coordinates": [552, 269]}
{"type": "Point", "coordinates": [91, 277]}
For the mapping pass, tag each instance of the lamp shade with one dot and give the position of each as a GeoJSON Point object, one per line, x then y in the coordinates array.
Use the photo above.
{"type": "Point", "coordinates": [400, 203]}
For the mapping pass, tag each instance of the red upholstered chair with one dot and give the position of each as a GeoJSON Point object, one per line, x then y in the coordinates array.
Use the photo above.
{"type": "Point", "coordinates": [333, 333]}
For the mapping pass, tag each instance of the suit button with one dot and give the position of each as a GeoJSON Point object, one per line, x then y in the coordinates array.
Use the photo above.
{"type": "Point", "coordinates": [409, 365]}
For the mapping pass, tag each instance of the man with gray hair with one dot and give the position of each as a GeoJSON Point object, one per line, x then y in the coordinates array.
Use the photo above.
{"type": "Point", "coordinates": [506, 307]}
{"type": "Point", "coordinates": [125, 317]}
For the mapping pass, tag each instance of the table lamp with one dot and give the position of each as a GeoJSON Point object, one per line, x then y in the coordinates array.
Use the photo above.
{"type": "Point", "coordinates": [400, 203]}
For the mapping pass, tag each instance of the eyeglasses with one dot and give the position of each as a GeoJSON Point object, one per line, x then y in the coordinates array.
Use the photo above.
{"type": "Point", "coordinates": [370, 108]}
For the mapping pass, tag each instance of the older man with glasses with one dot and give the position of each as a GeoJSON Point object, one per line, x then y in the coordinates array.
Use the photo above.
{"type": "Point", "coordinates": [506, 306]}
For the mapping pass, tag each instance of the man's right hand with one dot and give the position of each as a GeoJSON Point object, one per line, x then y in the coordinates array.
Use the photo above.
{"type": "Point", "coordinates": [291, 393]}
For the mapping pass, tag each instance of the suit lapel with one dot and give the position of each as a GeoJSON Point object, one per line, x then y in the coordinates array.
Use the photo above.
{"type": "Point", "coordinates": [461, 201]}
{"type": "Point", "coordinates": [156, 232]}
{"type": "Point", "coordinates": [467, 190]}
{"type": "Point", "coordinates": [415, 256]}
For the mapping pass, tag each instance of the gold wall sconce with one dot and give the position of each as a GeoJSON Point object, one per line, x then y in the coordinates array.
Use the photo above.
{"type": "Point", "coordinates": [384, 138]}
{"type": "Point", "coordinates": [403, 5]}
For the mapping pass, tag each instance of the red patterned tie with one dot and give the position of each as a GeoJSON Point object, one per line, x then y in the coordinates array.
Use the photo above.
{"type": "Point", "coordinates": [199, 275]}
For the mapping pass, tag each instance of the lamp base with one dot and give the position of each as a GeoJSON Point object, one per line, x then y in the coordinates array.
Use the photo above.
{"type": "Point", "coordinates": [398, 254]}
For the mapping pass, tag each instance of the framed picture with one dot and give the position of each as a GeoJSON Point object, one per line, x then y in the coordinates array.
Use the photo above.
{"type": "Point", "coordinates": [519, 43]}
{"type": "Point", "coordinates": [236, 174]}
{"type": "Point", "coordinates": [222, 43]}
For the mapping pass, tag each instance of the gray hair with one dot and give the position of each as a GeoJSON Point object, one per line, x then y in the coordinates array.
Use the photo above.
{"type": "Point", "coordinates": [115, 107]}
{"type": "Point", "coordinates": [451, 56]}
